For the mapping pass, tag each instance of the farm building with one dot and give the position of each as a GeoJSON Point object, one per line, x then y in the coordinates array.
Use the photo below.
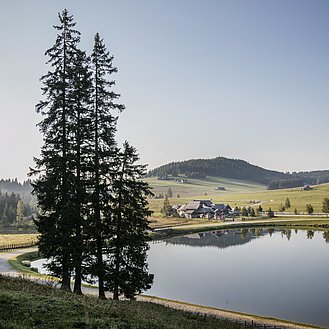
{"type": "Point", "coordinates": [203, 209]}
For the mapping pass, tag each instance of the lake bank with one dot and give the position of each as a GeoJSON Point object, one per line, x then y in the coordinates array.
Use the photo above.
{"type": "Point", "coordinates": [227, 314]}
{"type": "Point", "coordinates": [315, 224]}
{"type": "Point", "coordinates": [203, 226]}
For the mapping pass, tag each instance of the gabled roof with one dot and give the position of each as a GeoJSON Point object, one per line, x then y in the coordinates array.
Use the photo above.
{"type": "Point", "coordinates": [207, 203]}
{"type": "Point", "coordinates": [221, 206]}
{"type": "Point", "coordinates": [190, 206]}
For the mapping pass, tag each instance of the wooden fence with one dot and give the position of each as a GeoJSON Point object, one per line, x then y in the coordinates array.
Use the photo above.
{"type": "Point", "coordinates": [11, 246]}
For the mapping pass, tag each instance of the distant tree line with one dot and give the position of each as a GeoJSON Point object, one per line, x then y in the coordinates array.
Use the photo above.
{"type": "Point", "coordinates": [313, 177]}
{"type": "Point", "coordinates": [285, 183]}
{"type": "Point", "coordinates": [14, 186]}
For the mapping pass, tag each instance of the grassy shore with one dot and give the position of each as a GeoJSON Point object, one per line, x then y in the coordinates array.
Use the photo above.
{"type": "Point", "coordinates": [28, 305]}
{"type": "Point", "coordinates": [279, 222]}
{"type": "Point", "coordinates": [62, 310]}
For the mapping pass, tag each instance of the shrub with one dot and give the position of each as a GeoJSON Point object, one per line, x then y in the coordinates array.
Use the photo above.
{"type": "Point", "coordinates": [26, 263]}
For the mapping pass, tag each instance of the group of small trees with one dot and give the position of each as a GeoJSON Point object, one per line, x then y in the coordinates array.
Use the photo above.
{"type": "Point", "coordinates": [286, 205]}
{"type": "Point", "coordinates": [92, 203]}
{"type": "Point", "coordinates": [8, 208]}
{"type": "Point", "coordinates": [169, 194]}
{"type": "Point", "coordinates": [13, 210]}
{"type": "Point", "coordinates": [248, 212]}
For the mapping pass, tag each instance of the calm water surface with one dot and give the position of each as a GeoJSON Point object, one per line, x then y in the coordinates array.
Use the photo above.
{"type": "Point", "coordinates": [281, 274]}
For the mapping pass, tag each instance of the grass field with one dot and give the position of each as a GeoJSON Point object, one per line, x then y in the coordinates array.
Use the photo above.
{"type": "Point", "coordinates": [202, 187]}
{"type": "Point", "coordinates": [238, 193]}
{"type": "Point", "coordinates": [28, 305]}
{"type": "Point", "coordinates": [298, 198]}
{"type": "Point", "coordinates": [6, 239]}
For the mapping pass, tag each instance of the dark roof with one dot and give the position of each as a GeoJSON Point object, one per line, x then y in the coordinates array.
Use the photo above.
{"type": "Point", "coordinates": [206, 210]}
{"type": "Point", "coordinates": [204, 206]}
{"type": "Point", "coordinates": [222, 206]}
{"type": "Point", "coordinates": [207, 203]}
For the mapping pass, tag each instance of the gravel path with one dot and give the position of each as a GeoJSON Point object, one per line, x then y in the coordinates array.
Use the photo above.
{"type": "Point", "coordinates": [5, 267]}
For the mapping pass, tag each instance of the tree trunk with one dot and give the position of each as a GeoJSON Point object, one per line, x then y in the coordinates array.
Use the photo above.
{"type": "Point", "coordinates": [116, 292]}
{"type": "Point", "coordinates": [100, 267]}
{"type": "Point", "coordinates": [78, 278]}
{"type": "Point", "coordinates": [66, 277]}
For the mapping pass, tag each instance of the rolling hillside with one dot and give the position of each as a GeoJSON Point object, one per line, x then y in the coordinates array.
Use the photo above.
{"type": "Point", "coordinates": [240, 170]}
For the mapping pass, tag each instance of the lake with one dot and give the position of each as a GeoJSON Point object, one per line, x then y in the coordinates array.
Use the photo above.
{"type": "Point", "coordinates": [277, 273]}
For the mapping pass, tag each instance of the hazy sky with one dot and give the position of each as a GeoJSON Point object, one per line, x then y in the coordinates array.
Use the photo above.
{"type": "Point", "coordinates": [244, 79]}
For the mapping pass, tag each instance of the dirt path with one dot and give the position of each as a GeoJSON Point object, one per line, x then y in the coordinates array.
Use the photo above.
{"type": "Point", "coordinates": [6, 269]}
{"type": "Point", "coordinates": [224, 313]}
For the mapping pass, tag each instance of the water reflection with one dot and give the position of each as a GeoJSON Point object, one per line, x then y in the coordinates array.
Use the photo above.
{"type": "Point", "coordinates": [220, 238]}
{"type": "Point", "coordinates": [264, 271]}
{"type": "Point", "coordinates": [326, 236]}
{"type": "Point", "coordinates": [310, 234]}
{"type": "Point", "coordinates": [229, 238]}
{"type": "Point", "coordinates": [272, 272]}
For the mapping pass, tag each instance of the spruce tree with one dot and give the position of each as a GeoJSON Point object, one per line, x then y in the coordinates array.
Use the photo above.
{"type": "Point", "coordinates": [55, 185]}
{"type": "Point", "coordinates": [81, 136]}
{"type": "Point", "coordinates": [103, 123]}
{"type": "Point", "coordinates": [309, 209]}
{"type": "Point", "coordinates": [166, 208]}
{"type": "Point", "coordinates": [20, 212]}
{"type": "Point", "coordinates": [325, 205]}
{"type": "Point", "coordinates": [287, 203]}
{"type": "Point", "coordinates": [92, 203]}
{"type": "Point", "coordinates": [126, 268]}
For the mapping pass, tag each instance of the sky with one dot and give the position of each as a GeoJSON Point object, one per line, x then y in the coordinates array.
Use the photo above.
{"type": "Point", "coordinates": [244, 79]}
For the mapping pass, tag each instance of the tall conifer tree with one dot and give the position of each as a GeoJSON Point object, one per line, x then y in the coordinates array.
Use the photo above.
{"type": "Point", "coordinates": [104, 128]}
{"type": "Point", "coordinates": [126, 270]}
{"type": "Point", "coordinates": [55, 184]}
{"type": "Point", "coordinates": [81, 137]}
{"type": "Point", "coordinates": [91, 200]}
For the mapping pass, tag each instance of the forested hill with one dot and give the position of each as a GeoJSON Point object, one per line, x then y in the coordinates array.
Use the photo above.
{"type": "Point", "coordinates": [14, 186]}
{"type": "Point", "coordinates": [220, 167]}
{"type": "Point", "coordinates": [239, 169]}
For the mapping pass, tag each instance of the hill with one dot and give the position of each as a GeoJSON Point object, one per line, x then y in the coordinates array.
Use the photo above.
{"type": "Point", "coordinates": [240, 170]}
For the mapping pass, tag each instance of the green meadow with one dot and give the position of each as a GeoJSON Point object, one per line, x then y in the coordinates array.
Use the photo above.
{"type": "Point", "coordinates": [237, 193]}
{"type": "Point", "coordinates": [26, 305]}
